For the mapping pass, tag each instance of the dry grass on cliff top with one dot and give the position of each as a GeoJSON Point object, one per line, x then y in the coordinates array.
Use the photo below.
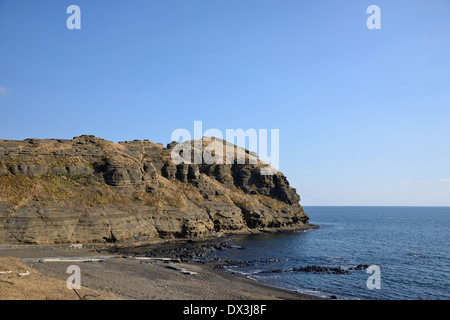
{"type": "Point", "coordinates": [34, 286]}
{"type": "Point", "coordinates": [70, 190]}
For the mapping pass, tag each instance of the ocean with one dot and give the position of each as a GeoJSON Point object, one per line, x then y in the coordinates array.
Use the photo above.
{"type": "Point", "coordinates": [409, 247]}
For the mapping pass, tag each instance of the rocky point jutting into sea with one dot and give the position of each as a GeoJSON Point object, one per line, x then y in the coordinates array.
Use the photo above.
{"type": "Point", "coordinates": [90, 190]}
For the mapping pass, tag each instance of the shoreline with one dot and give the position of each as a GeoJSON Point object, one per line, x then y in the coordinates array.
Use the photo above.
{"type": "Point", "coordinates": [136, 242]}
{"type": "Point", "coordinates": [131, 277]}
{"type": "Point", "coordinates": [284, 294]}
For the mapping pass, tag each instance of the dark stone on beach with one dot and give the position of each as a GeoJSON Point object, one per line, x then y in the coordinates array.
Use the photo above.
{"type": "Point", "coordinates": [185, 252]}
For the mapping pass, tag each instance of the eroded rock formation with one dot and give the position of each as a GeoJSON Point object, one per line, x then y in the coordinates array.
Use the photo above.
{"type": "Point", "coordinates": [90, 190]}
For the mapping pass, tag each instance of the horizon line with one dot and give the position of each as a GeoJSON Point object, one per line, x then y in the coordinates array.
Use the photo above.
{"type": "Point", "coordinates": [411, 206]}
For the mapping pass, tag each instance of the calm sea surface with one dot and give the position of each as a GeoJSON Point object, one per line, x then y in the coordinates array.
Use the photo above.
{"type": "Point", "coordinates": [410, 245]}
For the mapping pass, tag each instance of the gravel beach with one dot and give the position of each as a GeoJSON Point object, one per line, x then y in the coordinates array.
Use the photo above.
{"type": "Point", "coordinates": [144, 278]}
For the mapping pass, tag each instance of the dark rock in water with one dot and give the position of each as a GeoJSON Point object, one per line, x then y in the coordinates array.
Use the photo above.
{"type": "Point", "coordinates": [274, 271]}
{"type": "Point", "coordinates": [320, 269]}
{"type": "Point", "coordinates": [333, 297]}
{"type": "Point", "coordinates": [247, 263]}
{"type": "Point", "coordinates": [361, 267]}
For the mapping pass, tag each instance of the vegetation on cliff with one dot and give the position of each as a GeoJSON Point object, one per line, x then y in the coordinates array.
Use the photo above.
{"type": "Point", "coordinates": [88, 190]}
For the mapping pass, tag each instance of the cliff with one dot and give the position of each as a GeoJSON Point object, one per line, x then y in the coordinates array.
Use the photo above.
{"type": "Point", "coordinates": [91, 190]}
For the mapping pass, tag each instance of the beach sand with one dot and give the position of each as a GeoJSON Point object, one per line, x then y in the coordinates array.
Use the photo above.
{"type": "Point", "coordinates": [118, 277]}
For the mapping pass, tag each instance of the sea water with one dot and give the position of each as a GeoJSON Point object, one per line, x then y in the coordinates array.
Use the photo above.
{"type": "Point", "coordinates": [409, 245]}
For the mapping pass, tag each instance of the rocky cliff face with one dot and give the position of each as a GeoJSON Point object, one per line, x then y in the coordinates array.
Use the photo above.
{"type": "Point", "coordinates": [91, 190]}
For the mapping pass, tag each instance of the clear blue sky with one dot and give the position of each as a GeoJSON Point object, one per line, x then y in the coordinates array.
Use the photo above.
{"type": "Point", "coordinates": [364, 115]}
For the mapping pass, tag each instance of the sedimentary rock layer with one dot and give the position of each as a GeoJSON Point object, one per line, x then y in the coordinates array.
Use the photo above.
{"type": "Point", "coordinates": [89, 189]}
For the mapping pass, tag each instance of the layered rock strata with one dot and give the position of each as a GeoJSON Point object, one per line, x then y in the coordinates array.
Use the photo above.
{"type": "Point", "coordinates": [91, 190]}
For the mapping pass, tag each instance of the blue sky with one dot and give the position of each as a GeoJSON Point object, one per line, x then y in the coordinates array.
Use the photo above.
{"type": "Point", "coordinates": [364, 115]}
